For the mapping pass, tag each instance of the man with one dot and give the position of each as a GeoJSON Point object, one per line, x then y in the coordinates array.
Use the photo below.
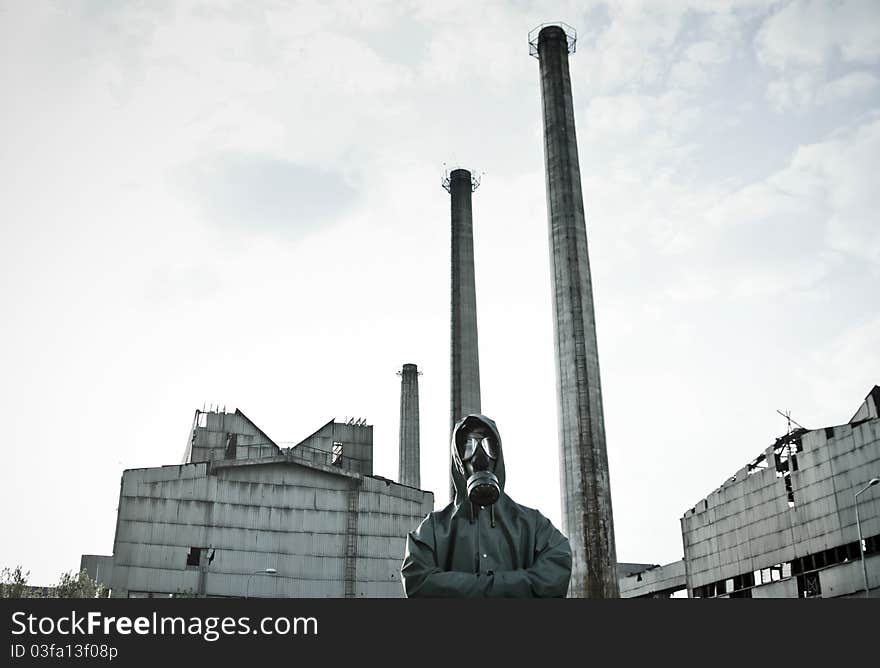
{"type": "Point", "coordinates": [484, 544]}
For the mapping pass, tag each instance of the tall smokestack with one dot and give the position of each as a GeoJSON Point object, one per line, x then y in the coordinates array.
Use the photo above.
{"type": "Point", "coordinates": [409, 471]}
{"type": "Point", "coordinates": [585, 486]}
{"type": "Point", "coordinates": [465, 359]}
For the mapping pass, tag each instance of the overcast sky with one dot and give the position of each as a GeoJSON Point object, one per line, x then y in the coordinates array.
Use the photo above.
{"type": "Point", "coordinates": [239, 203]}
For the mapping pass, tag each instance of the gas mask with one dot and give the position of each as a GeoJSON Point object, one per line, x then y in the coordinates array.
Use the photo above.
{"type": "Point", "coordinates": [479, 454]}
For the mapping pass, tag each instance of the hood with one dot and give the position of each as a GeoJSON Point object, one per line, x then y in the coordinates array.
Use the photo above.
{"type": "Point", "coordinates": [458, 477]}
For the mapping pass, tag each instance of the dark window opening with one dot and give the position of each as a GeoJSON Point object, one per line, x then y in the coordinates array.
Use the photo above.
{"type": "Point", "coordinates": [785, 456]}
{"type": "Point", "coordinates": [231, 446]}
{"type": "Point", "coordinates": [744, 581]}
{"type": "Point", "coordinates": [834, 555]}
{"type": "Point", "coordinates": [336, 454]}
{"type": "Point", "coordinates": [194, 556]}
{"type": "Point", "coordinates": [805, 569]}
{"type": "Point", "coordinates": [789, 490]}
{"type": "Point", "coordinates": [809, 585]}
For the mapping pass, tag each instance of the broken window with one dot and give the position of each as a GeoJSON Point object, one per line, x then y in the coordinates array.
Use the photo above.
{"type": "Point", "coordinates": [194, 556]}
{"type": "Point", "coordinates": [785, 453]}
{"type": "Point", "coordinates": [336, 454]}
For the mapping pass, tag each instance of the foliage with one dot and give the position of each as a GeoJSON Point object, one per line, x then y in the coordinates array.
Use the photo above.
{"type": "Point", "coordinates": [79, 586]}
{"type": "Point", "coordinates": [13, 583]}
{"type": "Point", "coordinates": [185, 593]}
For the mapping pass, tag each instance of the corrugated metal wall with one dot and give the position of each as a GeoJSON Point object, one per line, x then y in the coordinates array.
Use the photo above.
{"type": "Point", "coordinates": [747, 524]}
{"type": "Point", "coordinates": [255, 516]}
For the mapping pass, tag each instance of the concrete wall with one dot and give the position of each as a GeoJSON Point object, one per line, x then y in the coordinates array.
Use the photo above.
{"type": "Point", "coordinates": [838, 580]}
{"type": "Point", "coordinates": [221, 436]}
{"type": "Point", "coordinates": [656, 581]}
{"type": "Point", "coordinates": [209, 438]}
{"type": "Point", "coordinates": [99, 567]}
{"type": "Point", "coordinates": [781, 589]}
{"type": "Point", "coordinates": [356, 441]}
{"type": "Point", "coordinates": [329, 533]}
{"type": "Point", "coordinates": [747, 524]}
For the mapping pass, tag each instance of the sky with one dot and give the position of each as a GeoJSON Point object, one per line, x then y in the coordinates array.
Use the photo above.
{"type": "Point", "coordinates": [240, 204]}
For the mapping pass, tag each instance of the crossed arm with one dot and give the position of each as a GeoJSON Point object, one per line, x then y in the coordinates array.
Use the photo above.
{"type": "Point", "coordinates": [547, 577]}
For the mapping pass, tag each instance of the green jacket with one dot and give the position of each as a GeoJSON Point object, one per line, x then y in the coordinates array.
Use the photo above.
{"type": "Point", "coordinates": [504, 550]}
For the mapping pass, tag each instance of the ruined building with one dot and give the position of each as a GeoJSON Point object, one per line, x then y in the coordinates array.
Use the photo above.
{"type": "Point", "coordinates": [242, 516]}
{"type": "Point", "coordinates": [785, 525]}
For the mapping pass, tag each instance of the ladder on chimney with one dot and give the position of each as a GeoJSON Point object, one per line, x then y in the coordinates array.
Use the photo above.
{"type": "Point", "coordinates": [351, 539]}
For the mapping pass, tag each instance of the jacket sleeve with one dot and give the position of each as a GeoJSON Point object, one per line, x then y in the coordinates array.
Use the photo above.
{"type": "Point", "coordinates": [422, 577]}
{"type": "Point", "coordinates": [549, 574]}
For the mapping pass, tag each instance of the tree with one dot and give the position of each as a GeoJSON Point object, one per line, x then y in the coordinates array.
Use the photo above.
{"type": "Point", "coordinates": [185, 593]}
{"type": "Point", "coordinates": [13, 583]}
{"type": "Point", "coordinates": [79, 586]}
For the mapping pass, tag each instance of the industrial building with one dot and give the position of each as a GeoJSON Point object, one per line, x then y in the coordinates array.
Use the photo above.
{"type": "Point", "coordinates": [786, 525]}
{"type": "Point", "coordinates": [242, 516]}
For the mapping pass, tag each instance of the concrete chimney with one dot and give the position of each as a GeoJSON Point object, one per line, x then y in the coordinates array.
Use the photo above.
{"type": "Point", "coordinates": [409, 471]}
{"type": "Point", "coordinates": [586, 491]}
{"type": "Point", "coordinates": [465, 359]}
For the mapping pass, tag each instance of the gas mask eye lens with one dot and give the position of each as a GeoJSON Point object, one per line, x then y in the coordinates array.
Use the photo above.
{"type": "Point", "coordinates": [471, 444]}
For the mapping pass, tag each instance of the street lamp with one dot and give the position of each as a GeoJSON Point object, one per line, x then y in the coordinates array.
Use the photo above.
{"type": "Point", "coordinates": [870, 484]}
{"type": "Point", "coordinates": [265, 571]}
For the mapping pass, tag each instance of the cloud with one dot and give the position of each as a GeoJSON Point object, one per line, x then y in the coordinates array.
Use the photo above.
{"type": "Point", "coordinates": [790, 230]}
{"type": "Point", "coordinates": [809, 88]}
{"type": "Point", "coordinates": [811, 32]}
{"type": "Point", "coordinates": [842, 370]}
{"type": "Point", "coordinates": [632, 51]}
{"type": "Point", "coordinates": [854, 84]}
{"type": "Point", "coordinates": [693, 70]}
{"type": "Point", "coordinates": [794, 92]}
{"type": "Point", "coordinates": [847, 167]}
{"type": "Point", "coordinates": [806, 40]}
{"type": "Point", "coordinates": [256, 194]}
